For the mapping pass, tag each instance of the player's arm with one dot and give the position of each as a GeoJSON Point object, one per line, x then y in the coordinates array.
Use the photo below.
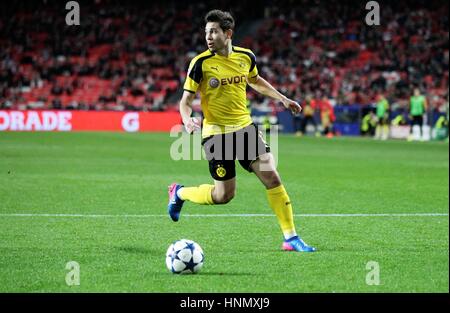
{"type": "Point", "coordinates": [265, 88]}
{"type": "Point", "coordinates": [191, 84]}
{"type": "Point", "coordinates": [190, 123]}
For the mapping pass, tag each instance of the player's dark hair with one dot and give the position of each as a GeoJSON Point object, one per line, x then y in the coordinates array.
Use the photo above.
{"type": "Point", "coordinates": [225, 19]}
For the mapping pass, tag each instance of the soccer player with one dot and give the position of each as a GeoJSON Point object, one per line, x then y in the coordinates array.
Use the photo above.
{"type": "Point", "coordinates": [418, 107]}
{"type": "Point", "coordinates": [382, 128]}
{"type": "Point", "coordinates": [327, 117]}
{"type": "Point", "coordinates": [308, 115]}
{"type": "Point", "coordinates": [221, 74]}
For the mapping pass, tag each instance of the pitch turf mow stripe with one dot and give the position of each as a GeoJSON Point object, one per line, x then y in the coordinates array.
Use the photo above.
{"type": "Point", "coordinates": [222, 215]}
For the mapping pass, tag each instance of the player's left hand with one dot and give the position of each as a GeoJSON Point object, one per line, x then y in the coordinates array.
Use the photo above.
{"type": "Point", "coordinates": [292, 105]}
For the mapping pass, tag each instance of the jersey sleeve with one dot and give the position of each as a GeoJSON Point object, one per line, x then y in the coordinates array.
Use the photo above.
{"type": "Point", "coordinates": [194, 76]}
{"type": "Point", "coordinates": [253, 72]}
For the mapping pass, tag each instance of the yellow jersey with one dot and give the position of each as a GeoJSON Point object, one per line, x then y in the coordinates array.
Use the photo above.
{"type": "Point", "coordinates": [222, 82]}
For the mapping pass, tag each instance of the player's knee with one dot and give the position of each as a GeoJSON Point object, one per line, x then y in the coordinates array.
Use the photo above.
{"type": "Point", "coordinates": [273, 180]}
{"type": "Point", "coordinates": [224, 197]}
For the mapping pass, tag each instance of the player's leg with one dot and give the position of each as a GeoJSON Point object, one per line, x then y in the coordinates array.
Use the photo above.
{"type": "Point", "coordinates": [222, 171]}
{"type": "Point", "coordinates": [224, 191]}
{"type": "Point", "coordinates": [308, 121]}
{"type": "Point", "coordinates": [221, 192]}
{"type": "Point", "coordinates": [378, 128]}
{"type": "Point", "coordinates": [303, 125]}
{"type": "Point", "coordinates": [420, 122]}
{"type": "Point", "coordinates": [385, 127]}
{"type": "Point", "coordinates": [254, 156]}
{"type": "Point", "coordinates": [264, 169]}
{"type": "Point", "coordinates": [415, 121]}
{"type": "Point", "coordinates": [316, 126]}
{"type": "Point", "coordinates": [279, 201]}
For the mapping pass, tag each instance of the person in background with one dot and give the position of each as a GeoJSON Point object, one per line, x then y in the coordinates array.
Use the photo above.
{"type": "Point", "coordinates": [417, 108]}
{"type": "Point", "coordinates": [368, 124]}
{"type": "Point", "coordinates": [327, 117]}
{"type": "Point", "coordinates": [308, 115]}
{"type": "Point", "coordinates": [382, 112]}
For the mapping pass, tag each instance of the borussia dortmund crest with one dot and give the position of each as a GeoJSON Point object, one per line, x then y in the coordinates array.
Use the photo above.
{"type": "Point", "coordinates": [220, 171]}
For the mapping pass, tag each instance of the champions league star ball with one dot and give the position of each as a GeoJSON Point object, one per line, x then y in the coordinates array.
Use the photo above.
{"type": "Point", "coordinates": [184, 256]}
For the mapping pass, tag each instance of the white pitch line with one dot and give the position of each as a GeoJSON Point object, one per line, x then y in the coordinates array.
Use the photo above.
{"type": "Point", "coordinates": [220, 215]}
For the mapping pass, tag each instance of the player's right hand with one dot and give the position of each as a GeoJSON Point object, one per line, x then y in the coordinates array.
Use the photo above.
{"type": "Point", "coordinates": [192, 124]}
{"type": "Point", "coordinates": [292, 105]}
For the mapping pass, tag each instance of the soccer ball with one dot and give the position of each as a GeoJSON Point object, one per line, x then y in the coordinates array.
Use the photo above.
{"type": "Point", "coordinates": [184, 256]}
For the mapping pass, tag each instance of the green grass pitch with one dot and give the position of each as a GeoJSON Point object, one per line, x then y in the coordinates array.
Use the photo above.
{"type": "Point", "coordinates": [117, 186]}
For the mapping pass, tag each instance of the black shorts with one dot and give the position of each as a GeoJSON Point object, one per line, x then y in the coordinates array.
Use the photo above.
{"type": "Point", "coordinates": [417, 120]}
{"type": "Point", "coordinates": [244, 145]}
{"type": "Point", "coordinates": [383, 120]}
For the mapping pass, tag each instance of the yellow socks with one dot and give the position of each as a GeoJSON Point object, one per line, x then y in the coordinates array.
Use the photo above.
{"type": "Point", "coordinates": [278, 200]}
{"type": "Point", "coordinates": [201, 194]}
{"type": "Point", "coordinates": [281, 204]}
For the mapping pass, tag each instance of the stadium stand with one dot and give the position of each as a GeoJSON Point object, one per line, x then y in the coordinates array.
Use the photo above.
{"type": "Point", "coordinates": [134, 55]}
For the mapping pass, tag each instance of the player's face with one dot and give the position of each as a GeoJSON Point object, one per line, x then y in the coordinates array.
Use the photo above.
{"type": "Point", "coordinates": [216, 38]}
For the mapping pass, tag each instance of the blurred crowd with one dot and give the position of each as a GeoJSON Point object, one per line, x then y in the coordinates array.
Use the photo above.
{"type": "Point", "coordinates": [325, 48]}
{"type": "Point", "coordinates": [134, 56]}
{"type": "Point", "coordinates": [122, 57]}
